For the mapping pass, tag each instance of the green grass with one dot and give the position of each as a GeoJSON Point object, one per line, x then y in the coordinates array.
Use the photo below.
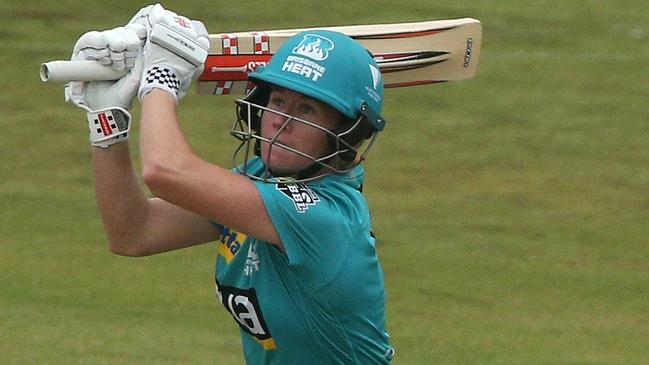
{"type": "Point", "coordinates": [512, 210]}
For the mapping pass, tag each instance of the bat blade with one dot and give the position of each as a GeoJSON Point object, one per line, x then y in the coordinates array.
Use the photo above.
{"type": "Point", "coordinates": [408, 54]}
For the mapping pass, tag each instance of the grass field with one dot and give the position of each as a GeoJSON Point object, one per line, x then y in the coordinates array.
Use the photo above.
{"type": "Point", "coordinates": [512, 210]}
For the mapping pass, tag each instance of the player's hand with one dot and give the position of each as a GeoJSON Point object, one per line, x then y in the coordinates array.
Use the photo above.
{"type": "Point", "coordinates": [174, 53]}
{"type": "Point", "coordinates": [107, 102]}
{"type": "Point", "coordinates": [117, 48]}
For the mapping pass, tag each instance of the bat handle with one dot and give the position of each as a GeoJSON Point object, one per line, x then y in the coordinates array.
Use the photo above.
{"type": "Point", "coordinates": [64, 71]}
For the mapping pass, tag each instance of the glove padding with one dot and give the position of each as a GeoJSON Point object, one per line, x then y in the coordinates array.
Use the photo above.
{"type": "Point", "coordinates": [174, 53]}
{"type": "Point", "coordinates": [118, 48]}
{"type": "Point", "coordinates": [107, 102]}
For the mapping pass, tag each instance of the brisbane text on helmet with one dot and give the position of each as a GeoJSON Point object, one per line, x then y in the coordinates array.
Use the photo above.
{"type": "Point", "coordinates": [330, 68]}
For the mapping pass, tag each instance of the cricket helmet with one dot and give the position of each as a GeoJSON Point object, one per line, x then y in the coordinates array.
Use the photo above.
{"type": "Point", "coordinates": [329, 67]}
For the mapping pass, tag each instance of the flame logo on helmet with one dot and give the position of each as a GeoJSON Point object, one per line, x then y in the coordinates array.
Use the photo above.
{"type": "Point", "coordinates": [315, 47]}
{"type": "Point", "coordinates": [376, 76]}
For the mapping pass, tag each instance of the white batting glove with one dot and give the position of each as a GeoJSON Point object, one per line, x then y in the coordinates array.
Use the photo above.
{"type": "Point", "coordinates": [107, 102]}
{"type": "Point", "coordinates": [174, 53]}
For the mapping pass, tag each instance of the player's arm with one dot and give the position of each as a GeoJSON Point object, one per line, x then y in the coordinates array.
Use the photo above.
{"type": "Point", "coordinates": [172, 171]}
{"type": "Point", "coordinates": [176, 174]}
{"type": "Point", "coordinates": [135, 224]}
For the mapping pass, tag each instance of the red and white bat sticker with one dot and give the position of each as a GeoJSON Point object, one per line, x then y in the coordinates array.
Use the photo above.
{"type": "Point", "coordinates": [223, 88]}
{"type": "Point", "coordinates": [261, 42]}
{"type": "Point", "coordinates": [230, 43]}
{"type": "Point", "coordinates": [232, 67]}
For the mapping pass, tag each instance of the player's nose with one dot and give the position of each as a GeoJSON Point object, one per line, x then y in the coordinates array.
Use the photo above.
{"type": "Point", "coordinates": [278, 121]}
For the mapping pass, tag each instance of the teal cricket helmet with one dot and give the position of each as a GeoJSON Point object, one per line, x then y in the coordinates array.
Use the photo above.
{"type": "Point", "coordinates": [329, 67]}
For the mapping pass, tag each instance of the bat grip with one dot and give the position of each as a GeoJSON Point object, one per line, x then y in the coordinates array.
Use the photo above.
{"type": "Point", "coordinates": [64, 71]}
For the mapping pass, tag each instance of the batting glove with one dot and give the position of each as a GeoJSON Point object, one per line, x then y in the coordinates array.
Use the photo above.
{"type": "Point", "coordinates": [107, 102]}
{"type": "Point", "coordinates": [174, 53]}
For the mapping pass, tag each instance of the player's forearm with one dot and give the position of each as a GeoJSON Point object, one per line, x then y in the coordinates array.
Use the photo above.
{"type": "Point", "coordinates": [167, 158]}
{"type": "Point", "coordinates": [122, 201]}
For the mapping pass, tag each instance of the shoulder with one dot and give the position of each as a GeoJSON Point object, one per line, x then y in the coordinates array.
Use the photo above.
{"type": "Point", "coordinates": [344, 192]}
{"type": "Point", "coordinates": [333, 196]}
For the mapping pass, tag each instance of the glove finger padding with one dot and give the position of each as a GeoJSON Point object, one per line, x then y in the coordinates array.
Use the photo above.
{"type": "Point", "coordinates": [116, 39]}
{"type": "Point", "coordinates": [123, 43]}
{"type": "Point", "coordinates": [92, 46]}
{"type": "Point", "coordinates": [158, 14]}
{"type": "Point", "coordinates": [121, 47]}
{"type": "Point", "coordinates": [134, 47]}
{"type": "Point", "coordinates": [141, 17]}
{"type": "Point", "coordinates": [150, 15]}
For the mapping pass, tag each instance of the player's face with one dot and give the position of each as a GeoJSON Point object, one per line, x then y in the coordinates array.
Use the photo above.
{"type": "Point", "coordinates": [294, 134]}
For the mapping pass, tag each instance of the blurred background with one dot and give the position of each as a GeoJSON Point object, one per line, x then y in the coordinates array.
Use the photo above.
{"type": "Point", "coordinates": [512, 210]}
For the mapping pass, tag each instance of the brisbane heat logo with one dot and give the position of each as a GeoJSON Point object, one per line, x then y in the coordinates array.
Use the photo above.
{"type": "Point", "coordinates": [315, 47]}
{"type": "Point", "coordinates": [306, 57]}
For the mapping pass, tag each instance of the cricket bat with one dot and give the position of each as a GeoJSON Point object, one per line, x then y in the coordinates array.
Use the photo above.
{"type": "Point", "coordinates": [408, 54]}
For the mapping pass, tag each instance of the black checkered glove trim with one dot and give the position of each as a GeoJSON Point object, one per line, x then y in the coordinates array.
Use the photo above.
{"type": "Point", "coordinates": [161, 77]}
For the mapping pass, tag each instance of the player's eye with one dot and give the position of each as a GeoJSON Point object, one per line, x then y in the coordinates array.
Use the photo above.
{"type": "Point", "coordinates": [277, 102]}
{"type": "Point", "coordinates": [307, 109]}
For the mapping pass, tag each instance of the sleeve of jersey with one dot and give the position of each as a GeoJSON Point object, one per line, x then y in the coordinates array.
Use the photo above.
{"type": "Point", "coordinates": [314, 229]}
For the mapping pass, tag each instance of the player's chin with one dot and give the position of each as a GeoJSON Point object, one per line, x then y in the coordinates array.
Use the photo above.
{"type": "Point", "coordinates": [284, 163]}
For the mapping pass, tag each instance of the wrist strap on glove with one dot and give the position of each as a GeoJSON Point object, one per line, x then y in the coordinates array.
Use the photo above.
{"type": "Point", "coordinates": [160, 77]}
{"type": "Point", "coordinates": [108, 126]}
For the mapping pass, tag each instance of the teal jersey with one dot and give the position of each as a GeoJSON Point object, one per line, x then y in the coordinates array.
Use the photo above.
{"type": "Point", "coordinates": [323, 300]}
